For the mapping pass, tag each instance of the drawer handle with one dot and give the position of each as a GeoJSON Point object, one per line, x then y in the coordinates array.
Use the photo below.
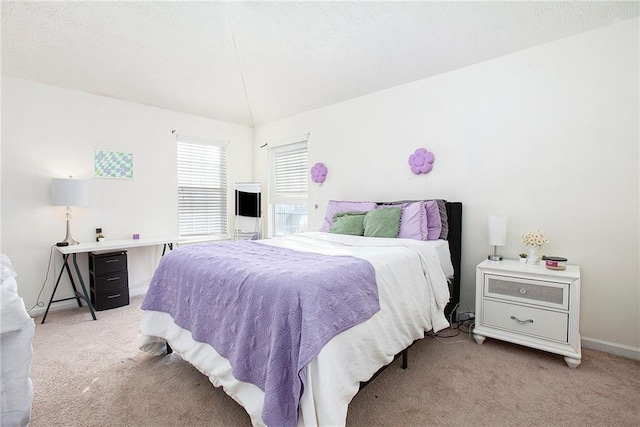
{"type": "Point", "coordinates": [111, 279]}
{"type": "Point", "coordinates": [522, 321]}
{"type": "Point", "coordinates": [117, 295]}
{"type": "Point", "coordinates": [112, 260]}
{"type": "Point", "coordinates": [523, 291]}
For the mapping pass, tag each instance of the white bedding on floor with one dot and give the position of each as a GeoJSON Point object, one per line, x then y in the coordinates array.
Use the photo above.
{"type": "Point", "coordinates": [413, 292]}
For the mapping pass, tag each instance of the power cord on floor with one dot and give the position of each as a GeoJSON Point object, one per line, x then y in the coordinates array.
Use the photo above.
{"type": "Point", "coordinates": [453, 313]}
{"type": "Point", "coordinates": [465, 323]}
{"type": "Point", "coordinates": [465, 327]}
{"type": "Point", "coordinates": [46, 277]}
{"type": "Point", "coordinates": [452, 326]}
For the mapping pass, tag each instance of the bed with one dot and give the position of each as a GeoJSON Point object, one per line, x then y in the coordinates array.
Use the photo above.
{"type": "Point", "coordinates": [299, 355]}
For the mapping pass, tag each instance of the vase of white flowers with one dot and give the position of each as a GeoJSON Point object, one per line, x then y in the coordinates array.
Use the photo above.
{"type": "Point", "coordinates": [534, 242]}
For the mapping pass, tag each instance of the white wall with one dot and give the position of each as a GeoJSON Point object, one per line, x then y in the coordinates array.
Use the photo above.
{"type": "Point", "coordinates": [52, 132]}
{"type": "Point", "coordinates": [547, 136]}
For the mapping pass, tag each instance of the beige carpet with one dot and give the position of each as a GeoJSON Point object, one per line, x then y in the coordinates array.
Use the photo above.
{"type": "Point", "coordinates": [91, 373]}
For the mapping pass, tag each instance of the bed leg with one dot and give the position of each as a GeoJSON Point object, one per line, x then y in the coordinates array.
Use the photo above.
{"type": "Point", "coordinates": [169, 349]}
{"type": "Point", "coordinates": [405, 358]}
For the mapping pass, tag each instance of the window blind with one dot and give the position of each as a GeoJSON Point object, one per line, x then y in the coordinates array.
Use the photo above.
{"type": "Point", "coordinates": [289, 174]}
{"type": "Point", "coordinates": [202, 187]}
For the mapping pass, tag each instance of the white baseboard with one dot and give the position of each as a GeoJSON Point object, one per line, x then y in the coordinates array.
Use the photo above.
{"type": "Point", "coordinates": [59, 306]}
{"type": "Point", "coordinates": [590, 343]}
{"type": "Point", "coordinates": [138, 291]}
{"type": "Point", "coordinates": [611, 347]}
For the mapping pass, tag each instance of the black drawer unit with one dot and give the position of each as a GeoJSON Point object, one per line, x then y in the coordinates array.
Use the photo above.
{"type": "Point", "coordinates": [109, 280]}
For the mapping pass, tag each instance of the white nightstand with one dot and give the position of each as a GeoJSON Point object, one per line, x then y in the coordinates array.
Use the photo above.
{"type": "Point", "coordinates": [529, 305]}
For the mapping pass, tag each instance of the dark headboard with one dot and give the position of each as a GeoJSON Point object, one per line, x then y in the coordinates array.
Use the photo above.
{"type": "Point", "coordinates": [454, 216]}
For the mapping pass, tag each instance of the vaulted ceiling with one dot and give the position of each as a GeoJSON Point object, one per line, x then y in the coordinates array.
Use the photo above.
{"type": "Point", "coordinates": [255, 62]}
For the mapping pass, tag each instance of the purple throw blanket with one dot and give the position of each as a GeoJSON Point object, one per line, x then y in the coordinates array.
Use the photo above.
{"type": "Point", "coordinates": [268, 310]}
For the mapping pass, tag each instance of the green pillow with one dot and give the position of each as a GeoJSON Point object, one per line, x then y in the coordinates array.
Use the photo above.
{"type": "Point", "coordinates": [382, 222]}
{"type": "Point", "coordinates": [348, 223]}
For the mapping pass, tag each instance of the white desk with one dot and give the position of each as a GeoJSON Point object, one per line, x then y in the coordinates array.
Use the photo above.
{"type": "Point", "coordinates": [104, 246]}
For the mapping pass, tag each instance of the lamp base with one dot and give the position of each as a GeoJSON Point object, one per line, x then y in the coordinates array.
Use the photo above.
{"type": "Point", "coordinates": [68, 240]}
{"type": "Point", "coordinates": [494, 257]}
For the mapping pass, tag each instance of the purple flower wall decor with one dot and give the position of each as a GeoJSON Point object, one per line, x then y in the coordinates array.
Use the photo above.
{"type": "Point", "coordinates": [318, 173]}
{"type": "Point", "coordinates": [421, 161]}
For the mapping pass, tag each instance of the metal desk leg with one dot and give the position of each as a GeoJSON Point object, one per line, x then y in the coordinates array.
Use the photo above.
{"type": "Point", "coordinates": [164, 247]}
{"type": "Point", "coordinates": [84, 289]}
{"type": "Point", "coordinates": [55, 288]}
{"type": "Point", "coordinates": [73, 283]}
{"type": "Point", "coordinates": [76, 294]}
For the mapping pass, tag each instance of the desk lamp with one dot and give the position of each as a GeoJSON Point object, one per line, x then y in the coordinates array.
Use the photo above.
{"type": "Point", "coordinates": [69, 192]}
{"type": "Point", "coordinates": [497, 232]}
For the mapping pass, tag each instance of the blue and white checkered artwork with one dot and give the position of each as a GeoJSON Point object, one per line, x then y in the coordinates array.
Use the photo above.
{"type": "Point", "coordinates": [112, 164]}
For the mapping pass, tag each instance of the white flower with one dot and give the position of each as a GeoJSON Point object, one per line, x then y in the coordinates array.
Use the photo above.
{"type": "Point", "coordinates": [534, 239]}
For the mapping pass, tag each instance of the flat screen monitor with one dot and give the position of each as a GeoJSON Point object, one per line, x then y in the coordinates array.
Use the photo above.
{"type": "Point", "coordinates": [247, 204]}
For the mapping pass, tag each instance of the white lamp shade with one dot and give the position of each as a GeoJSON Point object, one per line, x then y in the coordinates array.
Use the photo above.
{"type": "Point", "coordinates": [497, 230]}
{"type": "Point", "coordinates": [69, 192]}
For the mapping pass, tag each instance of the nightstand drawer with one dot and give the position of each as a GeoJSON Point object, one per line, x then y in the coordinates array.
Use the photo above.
{"type": "Point", "coordinates": [546, 294]}
{"type": "Point", "coordinates": [526, 320]}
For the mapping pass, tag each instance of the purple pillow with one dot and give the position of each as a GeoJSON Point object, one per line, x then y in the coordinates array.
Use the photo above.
{"type": "Point", "coordinates": [434, 223]}
{"type": "Point", "coordinates": [413, 222]}
{"type": "Point", "coordinates": [335, 207]}
{"type": "Point", "coordinates": [442, 205]}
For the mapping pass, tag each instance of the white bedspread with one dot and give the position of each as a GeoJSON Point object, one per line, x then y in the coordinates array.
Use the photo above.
{"type": "Point", "coordinates": [16, 338]}
{"type": "Point", "coordinates": [413, 292]}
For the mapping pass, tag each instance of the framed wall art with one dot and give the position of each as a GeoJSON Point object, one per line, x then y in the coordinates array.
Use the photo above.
{"type": "Point", "coordinates": [112, 164]}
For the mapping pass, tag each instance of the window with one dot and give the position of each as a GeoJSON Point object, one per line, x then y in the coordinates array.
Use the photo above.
{"type": "Point", "coordinates": [202, 187]}
{"type": "Point", "coordinates": [288, 182]}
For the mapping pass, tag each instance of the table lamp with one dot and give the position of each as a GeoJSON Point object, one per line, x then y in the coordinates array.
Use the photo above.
{"type": "Point", "coordinates": [69, 192]}
{"type": "Point", "coordinates": [497, 231]}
